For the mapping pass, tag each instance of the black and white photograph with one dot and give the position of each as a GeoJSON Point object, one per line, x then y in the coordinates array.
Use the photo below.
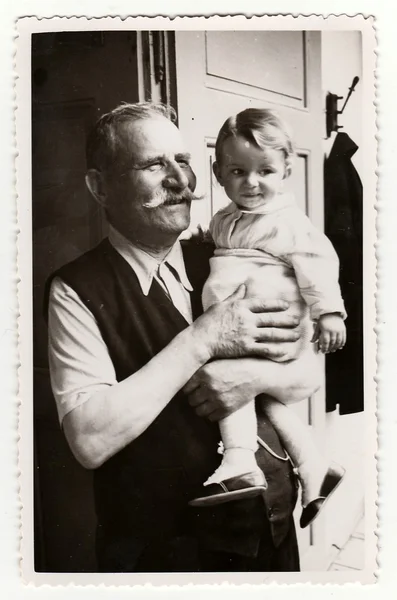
{"type": "Point", "coordinates": [202, 399]}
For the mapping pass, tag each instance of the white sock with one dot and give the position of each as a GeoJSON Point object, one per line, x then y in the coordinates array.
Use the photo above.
{"type": "Point", "coordinates": [236, 461]}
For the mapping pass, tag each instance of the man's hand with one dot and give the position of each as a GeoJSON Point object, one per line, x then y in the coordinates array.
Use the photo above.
{"type": "Point", "coordinates": [239, 327]}
{"type": "Point", "coordinates": [221, 387]}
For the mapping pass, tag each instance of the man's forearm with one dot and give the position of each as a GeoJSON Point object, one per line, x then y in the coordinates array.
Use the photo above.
{"type": "Point", "coordinates": [288, 383]}
{"type": "Point", "coordinates": [114, 417]}
{"type": "Point", "coordinates": [223, 386]}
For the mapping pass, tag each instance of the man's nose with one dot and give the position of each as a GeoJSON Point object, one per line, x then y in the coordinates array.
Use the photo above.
{"type": "Point", "coordinates": [176, 177]}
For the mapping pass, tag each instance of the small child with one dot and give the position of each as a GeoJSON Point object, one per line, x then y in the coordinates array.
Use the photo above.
{"type": "Point", "coordinates": [265, 241]}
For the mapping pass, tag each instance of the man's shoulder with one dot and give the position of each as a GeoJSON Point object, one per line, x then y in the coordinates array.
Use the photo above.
{"type": "Point", "coordinates": [86, 262]}
{"type": "Point", "coordinates": [85, 268]}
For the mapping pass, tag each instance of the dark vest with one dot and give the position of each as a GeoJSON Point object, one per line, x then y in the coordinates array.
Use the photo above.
{"type": "Point", "coordinates": [141, 493]}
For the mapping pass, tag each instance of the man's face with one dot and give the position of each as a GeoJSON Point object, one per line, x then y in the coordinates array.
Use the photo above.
{"type": "Point", "coordinates": [148, 194]}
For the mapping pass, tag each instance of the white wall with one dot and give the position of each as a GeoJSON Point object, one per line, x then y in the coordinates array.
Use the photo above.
{"type": "Point", "coordinates": [341, 61]}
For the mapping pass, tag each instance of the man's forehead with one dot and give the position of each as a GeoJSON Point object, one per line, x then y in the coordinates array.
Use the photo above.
{"type": "Point", "coordinates": [152, 135]}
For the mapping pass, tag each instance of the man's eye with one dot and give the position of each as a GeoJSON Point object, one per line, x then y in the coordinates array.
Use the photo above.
{"type": "Point", "coordinates": [184, 164]}
{"type": "Point", "coordinates": [154, 166]}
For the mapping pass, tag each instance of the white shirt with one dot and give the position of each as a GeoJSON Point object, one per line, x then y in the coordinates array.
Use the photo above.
{"type": "Point", "coordinates": [80, 365]}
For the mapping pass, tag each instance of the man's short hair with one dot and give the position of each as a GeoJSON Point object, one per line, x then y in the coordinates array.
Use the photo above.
{"type": "Point", "coordinates": [101, 149]}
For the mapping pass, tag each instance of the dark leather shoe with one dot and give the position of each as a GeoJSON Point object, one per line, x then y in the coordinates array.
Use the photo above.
{"type": "Point", "coordinates": [330, 482]}
{"type": "Point", "coordinates": [244, 486]}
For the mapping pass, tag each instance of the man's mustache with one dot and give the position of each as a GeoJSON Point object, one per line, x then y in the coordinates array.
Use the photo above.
{"type": "Point", "coordinates": [167, 197]}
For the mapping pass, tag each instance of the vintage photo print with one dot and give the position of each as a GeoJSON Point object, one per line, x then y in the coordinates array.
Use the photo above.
{"type": "Point", "coordinates": [196, 205]}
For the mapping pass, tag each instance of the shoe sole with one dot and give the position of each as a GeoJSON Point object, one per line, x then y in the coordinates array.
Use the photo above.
{"type": "Point", "coordinates": [330, 491]}
{"type": "Point", "coordinates": [222, 498]}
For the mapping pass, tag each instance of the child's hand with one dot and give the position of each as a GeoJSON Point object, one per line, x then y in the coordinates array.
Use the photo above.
{"type": "Point", "coordinates": [330, 333]}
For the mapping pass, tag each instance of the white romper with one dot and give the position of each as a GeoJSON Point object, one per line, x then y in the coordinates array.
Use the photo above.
{"type": "Point", "coordinates": [279, 254]}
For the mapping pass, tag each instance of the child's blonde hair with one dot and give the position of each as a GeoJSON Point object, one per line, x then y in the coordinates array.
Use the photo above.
{"type": "Point", "coordinates": [261, 126]}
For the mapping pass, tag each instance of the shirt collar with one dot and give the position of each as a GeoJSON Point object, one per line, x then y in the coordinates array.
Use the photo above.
{"type": "Point", "coordinates": [146, 266]}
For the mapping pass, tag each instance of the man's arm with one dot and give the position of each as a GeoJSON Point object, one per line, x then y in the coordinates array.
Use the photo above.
{"type": "Point", "coordinates": [108, 416]}
{"type": "Point", "coordinates": [223, 386]}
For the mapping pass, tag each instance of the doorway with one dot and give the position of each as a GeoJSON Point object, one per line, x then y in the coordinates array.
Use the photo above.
{"type": "Point", "coordinates": [76, 77]}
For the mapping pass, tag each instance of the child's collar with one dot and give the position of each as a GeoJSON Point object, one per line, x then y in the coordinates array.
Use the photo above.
{"type": "Point", "coordinates": [278, 202]}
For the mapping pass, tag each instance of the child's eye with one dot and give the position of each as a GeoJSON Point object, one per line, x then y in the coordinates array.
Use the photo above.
{"type": "Point", "coordinates": [266, 171]}
{"type": "Point", "coordinates": [237, 171]}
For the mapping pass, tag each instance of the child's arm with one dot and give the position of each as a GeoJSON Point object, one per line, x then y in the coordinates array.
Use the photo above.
{"type": "Point", "coordinates": [330, 333]}
{"type": "Point", "coordinates": [316, 267]}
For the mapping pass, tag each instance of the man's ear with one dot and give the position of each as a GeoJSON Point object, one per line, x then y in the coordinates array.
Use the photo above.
{"type": "Point", "coordinates": [217, 173]}
{"type": "Point", "coordinates": [95, 183]}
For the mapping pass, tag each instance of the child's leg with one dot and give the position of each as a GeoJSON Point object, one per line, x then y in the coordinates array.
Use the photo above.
{"type": "Point", "coordinates": [286, 381]}
{"type": "Point", "coordinates": [239, 438]}
{"type": "Point", "coordinates": [239, 430]}
{"type": "Point", "coordinates": [299, 443]}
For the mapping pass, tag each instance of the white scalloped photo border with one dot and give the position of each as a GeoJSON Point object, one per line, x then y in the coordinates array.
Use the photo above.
{"type": "Point", "coordinates": [24, 27]}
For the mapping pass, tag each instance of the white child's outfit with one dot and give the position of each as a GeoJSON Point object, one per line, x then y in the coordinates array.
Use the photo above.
{"type": "Point", "coordinates": [279, 254]}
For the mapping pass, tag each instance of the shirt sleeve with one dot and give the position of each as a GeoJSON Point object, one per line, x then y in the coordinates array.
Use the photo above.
{"type": "Point", "coordinates": [80, 365]}
{"type": "Point", "coordinates": [220, 224]}
{"type": "Point", "coordinates": [214, 227]}
{"type": "Point", "coordinates": [316, 267]}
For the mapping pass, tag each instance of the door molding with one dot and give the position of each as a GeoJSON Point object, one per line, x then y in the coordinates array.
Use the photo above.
{"type": "Point", "coordinates": [157, 67]}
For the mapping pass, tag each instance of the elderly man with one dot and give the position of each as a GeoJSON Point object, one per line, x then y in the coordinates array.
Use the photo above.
{"type": "Point", "coordinates": [139, 373]}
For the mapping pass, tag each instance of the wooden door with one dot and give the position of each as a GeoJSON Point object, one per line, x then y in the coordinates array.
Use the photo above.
{"type": "Point", "coordinates": [75, 78]}
{"type": "Point", "coordinates": [220, 73]}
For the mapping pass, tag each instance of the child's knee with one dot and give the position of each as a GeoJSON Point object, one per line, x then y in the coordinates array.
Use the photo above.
{"type": "Point", "coordinates": [308, 380]}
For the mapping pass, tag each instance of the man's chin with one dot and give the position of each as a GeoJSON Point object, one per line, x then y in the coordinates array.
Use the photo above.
{"type": "Point", "coordinates": [176, 216]}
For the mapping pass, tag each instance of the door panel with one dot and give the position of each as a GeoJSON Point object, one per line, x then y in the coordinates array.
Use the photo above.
{"type": "Point", "coordinates": [297, 182]}
{"type": "Point", "coordinates": [225, 50]}
{"type": "Point", "coordinates": [220, 73]}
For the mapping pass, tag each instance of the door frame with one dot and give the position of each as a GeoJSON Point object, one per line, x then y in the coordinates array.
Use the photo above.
{"type": "Point", "coordinates": [157, 80]}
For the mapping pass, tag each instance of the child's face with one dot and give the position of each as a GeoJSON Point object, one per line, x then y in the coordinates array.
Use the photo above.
{"type": "Point", "coordinates": [251, 176]}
